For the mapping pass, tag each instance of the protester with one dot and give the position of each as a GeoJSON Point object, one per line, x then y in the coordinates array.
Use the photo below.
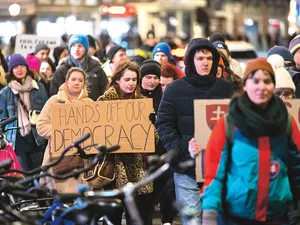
{"type": "Point", "coordinates": [73, 91]}
{"type": "Point", "coordinates": [129, 167]}
{"type": "Point", "coordinates": [164, 191]}
{"type": "Point", "coordinates": [34, 65]}
{"type": "Point", "coordinates": [115, 55]}
{"type": "Point", "coordinates": [175, 119]}
{"type": "Point", "coordinates": [285, 54]}
{"type": "Point", "coordinates": [221, 45]}
{"type": "Point", "coordinates": [290, 65]}
{"type": "Point", "coordinates": [229, 75]}
{"type": "Point", "coordinates": [162, 53]}
{"type": "Point", "coordinates": [42, 51]}
{"type": "Point", "coordinates": [22, 95]}
{"type": "Point", "coordinates": [294, 48]}
{"type": "Point", "coordinates": [145, 51]}
{"type": "Point", "coordinates": [150, 86]}
{"type": "Point", "coordinates": [96, 78]}
{"type": "Point", "coordinates": [285, 87]}
{"type": "Point", "coordinates": [168, 75]}
{"type": "Point", "coordinates": [59, 53]}
{"type": "Point", "coordinates": [246, 178]}
{"type": "Point", "coordinates": [47, 70]}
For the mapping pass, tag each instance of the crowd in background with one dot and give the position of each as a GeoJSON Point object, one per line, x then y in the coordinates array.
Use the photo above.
{"type": "Point", "coordinates": [84, 69]}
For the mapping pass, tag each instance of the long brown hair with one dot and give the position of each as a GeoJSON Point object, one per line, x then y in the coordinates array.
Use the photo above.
{"type": "Point", "coordinates": [119, 72]}
{"type": "Point", "coordinates": [10, 76]}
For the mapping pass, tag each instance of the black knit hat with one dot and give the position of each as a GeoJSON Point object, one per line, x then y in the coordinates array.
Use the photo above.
{"type": "Point", "coordinates": [150, 66]}
{"type": "Point", "coordinates": [113, 50]}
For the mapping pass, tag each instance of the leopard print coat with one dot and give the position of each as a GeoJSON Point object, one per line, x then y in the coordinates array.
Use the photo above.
{"type": "Point", "coordinates": [128, 167]}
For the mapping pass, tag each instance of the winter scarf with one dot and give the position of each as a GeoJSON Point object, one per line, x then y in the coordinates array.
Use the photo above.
{"type": "Point", "coordinates": [255, 122]}
{"type": "Point", "coordinates": [156, 95]}
{"type": "Point", "coordinates": [198, 80]}
{"type": "Point", "coordinates": [23, 91]}
{"type": "Point", "coordinates": [82, 65]}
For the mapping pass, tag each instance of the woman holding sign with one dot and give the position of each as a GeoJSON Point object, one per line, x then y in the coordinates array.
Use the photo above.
{"type": "Point", "coordinates": [251, 159]}
{"type": "Point", "coordinates": [129, 167]}
{"type": "Point", "coordinates": [72, 91]}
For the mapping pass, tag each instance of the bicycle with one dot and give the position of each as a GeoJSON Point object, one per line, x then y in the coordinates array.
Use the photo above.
{"type": "Point", "coordinates": [91, 205]}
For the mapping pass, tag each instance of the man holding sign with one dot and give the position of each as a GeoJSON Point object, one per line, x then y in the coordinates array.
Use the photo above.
{"type": "Point", "coordinates": [175, 121]}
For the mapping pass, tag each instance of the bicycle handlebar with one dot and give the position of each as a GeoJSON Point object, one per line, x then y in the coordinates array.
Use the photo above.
{"type": "Point", "coordinates": [76, 172]}
{"type": "Point", "coordinates": [47, 167]}
{"type": "Point", "coordinates": [7, 121]}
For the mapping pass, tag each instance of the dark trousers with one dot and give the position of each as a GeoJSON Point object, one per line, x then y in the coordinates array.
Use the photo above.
{"type": "Point", "coordinates": [294, 214]}
{"type": "Point", "coordinates": [164, 192]}
{"type": "Point", "coordinates": [143, 204]}
{"type": "Point", "coordinates": [29, 154]}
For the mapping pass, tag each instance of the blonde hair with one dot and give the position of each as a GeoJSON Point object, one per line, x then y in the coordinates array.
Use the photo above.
{"type": "Point", "coordinates": [76, 69]}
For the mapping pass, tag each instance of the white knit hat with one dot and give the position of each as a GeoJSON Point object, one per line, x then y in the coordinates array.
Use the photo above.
{"type": "Point", "coordinates": [282, 76]}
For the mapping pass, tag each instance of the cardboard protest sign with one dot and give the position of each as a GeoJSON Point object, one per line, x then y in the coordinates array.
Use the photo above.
{"type": "Point", "coordinates": [123, 122]}
{"type": "Point", "coordinates": [208, 112]}
{"type": "Point", "coordinates": [26, 43]}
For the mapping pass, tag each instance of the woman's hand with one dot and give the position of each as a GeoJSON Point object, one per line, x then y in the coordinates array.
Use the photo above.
{"type": "Point", "coordinates": [194, 148]}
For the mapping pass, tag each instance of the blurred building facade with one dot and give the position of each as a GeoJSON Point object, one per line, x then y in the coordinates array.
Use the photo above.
{"type": "Point", "coordinates": [189, 18]}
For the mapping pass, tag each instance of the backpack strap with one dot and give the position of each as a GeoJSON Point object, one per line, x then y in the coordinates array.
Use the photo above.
{"type": "Point", "coordinates": [229, 128]}
{"type": "Point", "coordinates": [289, 126]}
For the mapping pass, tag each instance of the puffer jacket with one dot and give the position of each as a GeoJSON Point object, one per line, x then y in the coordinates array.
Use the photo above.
{"type": "Point", "coordinates": [96, 80]}
{"type": "Point", "coordinates": [175, 117]}
{"type": "Point", "coordinates": [44, 130]}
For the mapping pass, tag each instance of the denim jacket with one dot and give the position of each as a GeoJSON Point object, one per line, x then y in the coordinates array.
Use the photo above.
{"type": "Point", "coordinates": [9, 104]}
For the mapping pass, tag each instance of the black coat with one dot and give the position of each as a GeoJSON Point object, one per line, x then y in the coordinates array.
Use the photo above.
{"type": "Point", "coordinates": [175, 120]}
{"type": "Point", "coordinates": [96, 81]}
{"type": "Point", "coordinates": [175, 117]}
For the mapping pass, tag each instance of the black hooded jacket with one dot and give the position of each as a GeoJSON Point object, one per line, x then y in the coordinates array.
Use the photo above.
{"type": "Point", "coordinates": [175, 119]}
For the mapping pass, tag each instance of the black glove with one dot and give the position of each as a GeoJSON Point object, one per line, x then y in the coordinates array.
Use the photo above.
{"type": "Point", "coordinates": [152, 118]}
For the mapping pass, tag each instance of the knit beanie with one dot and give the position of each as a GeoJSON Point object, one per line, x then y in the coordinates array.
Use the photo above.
{"type": "Point", "coordinates": [33, 63]}
{"type": "Point", "coordinates": [295, 44]}
{"type": "Point", "coordinates": [16, 60]}
{"type": "Point", "coordinates": [283, 52]}
{"type": "Point", "coordinates": [150, 66]}
{"type": "Point", "coordinates": [113, 50]}
{"type": "Point", "coordinates": [162, 47]}
{"type": "Point", "coordinates": [41, 46]}
{"type": "Point", "coordinates": [216, 36]}
{"type": "Point", "coordinates": [79, 38]}
{"type": "Point", "coordinates": [282, 76]}
{"type": "Point", "coordinates": [258, 64]}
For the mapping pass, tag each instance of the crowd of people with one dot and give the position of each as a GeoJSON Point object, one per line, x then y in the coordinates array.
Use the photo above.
{"type": "Point", "coordinates": [251, 179]}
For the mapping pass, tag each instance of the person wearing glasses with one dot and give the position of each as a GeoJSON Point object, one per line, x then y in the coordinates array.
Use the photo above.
{"type": "Point", "coordinates": [285, 87]}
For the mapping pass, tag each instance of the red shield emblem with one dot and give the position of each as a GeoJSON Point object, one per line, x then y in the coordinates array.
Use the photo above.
{"type": "Point", "coordinates": [274, 168]}
{"type": "Point", "coordinates": [214, 113]}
